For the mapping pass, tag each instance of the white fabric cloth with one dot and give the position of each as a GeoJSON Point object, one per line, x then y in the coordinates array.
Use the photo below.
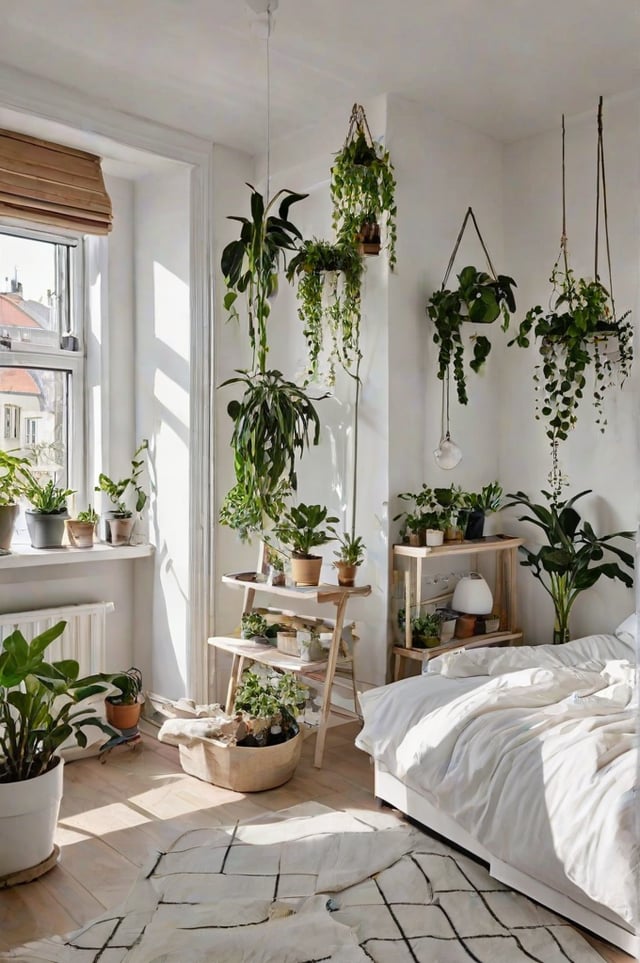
{"type": "Point", "coordinates": [533, 754]}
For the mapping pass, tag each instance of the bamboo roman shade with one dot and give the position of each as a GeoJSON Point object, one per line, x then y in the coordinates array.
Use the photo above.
{"type": "Point", "coordinates": [52, 184]}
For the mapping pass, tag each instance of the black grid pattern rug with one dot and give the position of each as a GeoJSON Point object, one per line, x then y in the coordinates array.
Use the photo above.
{"type": "Point", "coordinates": [310, 884]}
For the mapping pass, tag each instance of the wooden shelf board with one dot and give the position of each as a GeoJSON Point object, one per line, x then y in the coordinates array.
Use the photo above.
{"type": "Point", "coordinates": [490, 543]}
{"type": "Point", "coordinates": [473, 642]}
{"type": "Point", "coordinates": [269, 655]}
{"type": "Point", "coordinates": [325, 592]}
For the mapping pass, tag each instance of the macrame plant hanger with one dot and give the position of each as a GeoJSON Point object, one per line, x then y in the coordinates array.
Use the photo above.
{"type": "Point", "coordinates": [358, 124]}
{"type": "Point", "coordinates": [448, 453]}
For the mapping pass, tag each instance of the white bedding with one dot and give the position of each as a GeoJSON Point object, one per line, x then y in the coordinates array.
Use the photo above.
{"type": "Point", "coordinates": [531, 750]}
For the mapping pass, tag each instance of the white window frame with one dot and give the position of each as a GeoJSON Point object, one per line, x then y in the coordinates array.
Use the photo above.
{"type": "Point", "coordinates": [11, 421]}
{"type": "Point", "coordinates": [55, 359]}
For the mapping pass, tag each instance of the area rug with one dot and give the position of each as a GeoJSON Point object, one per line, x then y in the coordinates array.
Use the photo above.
{"type": "Point", "coordinates": [309, 885]}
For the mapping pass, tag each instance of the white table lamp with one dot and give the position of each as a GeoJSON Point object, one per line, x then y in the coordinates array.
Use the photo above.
{"type": "Point", "coordinates": [472, 595]}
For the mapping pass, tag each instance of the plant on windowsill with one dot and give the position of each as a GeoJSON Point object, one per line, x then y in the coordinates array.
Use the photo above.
{"type": "Point", "coordinates": [10, 492]}
{"type": "Point", "coordinates": [46, 517]}
{"type": "Point", "coordinates": [328, 290]}
{"type": "Point", "coordinates": [363, 190]}
{"type": "Point", "coordinates": [480, 298]}
{"type": "Point", "coordinates": [349, 557]}
{"type": "Point", "coordinates": [119, 521]}
{"type": "Point", "coordinates": [301, 530]}
{"type": "Point", "coordinates": [40, 708]}
{"type": "Point", "coordinates": [571, 561]}
{"type": "Point", "coordinates": [81, 529]}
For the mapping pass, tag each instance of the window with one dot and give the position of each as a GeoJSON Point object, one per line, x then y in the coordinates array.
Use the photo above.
{"type": "Point", "coordinates": [41, 351]}
{"type": "Point", "coordinates": [11, 422]}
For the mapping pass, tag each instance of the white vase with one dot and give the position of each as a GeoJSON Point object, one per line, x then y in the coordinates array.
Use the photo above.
{"type": "Point", "coordinates": [434, 536]}
{"type": "Point", "coordinates": [28, 818]}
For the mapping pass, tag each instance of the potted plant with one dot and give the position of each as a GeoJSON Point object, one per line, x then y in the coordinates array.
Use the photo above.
{"type": "Point", "coordinates": [301, 530]}
{"type": "Point", "coordinates": [430, 517]}
{"type": "Point", "coordinates": [275, 566]}
{"type": "Point", "coordinates": [363, 190]}
{"type": "Point", "coordinates": [120, 520]}
{"type": "Point", "coordinates": [254, 626]}
{"type": "Point", "coordinates": [452, 502]}
{"type": "Point", "coordinates": [571, 561]}
{"type": "Point", "coordinates": [273, 423]}
{"type": "Point", "coordinates": [124, 707]}
{"type": "Point", "coordinates": [328, 291]}
{"type": "Point", "coordinates": [81, 529]}
{"type": "Point", "coordinates": [425, 630]}
{"type": "Point", "coordinates": [349, 557]}
{"type": "Point", "coordinates": [251, 263]}
{"type": "Point", "coordinates": [577, 332]}
{"type": "Point", "coordinates": [10, 492]}
{"type": "Point", "coordinates": [40, 708]}
{"type": "Point", "coordinates": [480, 504]}
{"type": "Point", "coordinates": [480, 298]}
{"type": "Point", "coordinates": [46, 517]}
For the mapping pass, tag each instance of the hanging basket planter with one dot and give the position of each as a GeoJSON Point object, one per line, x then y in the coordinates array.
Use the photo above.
{"type": "Point", "coordinates": [480, 298]}
{"type": "Point", "coordinates": [363, 190]}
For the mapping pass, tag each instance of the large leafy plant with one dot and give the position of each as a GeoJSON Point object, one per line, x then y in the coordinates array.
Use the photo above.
{"type": "Point", "coordinates": [301, 528]}
{"type": "Point", "coordinates": [363, 186]}
{"type": "Point", "coordinates": [329, 278]}
{"type": "Point", "coordinates": [479, 298]}
{"type": "Point", "coordinates": [577, 332]}
{"type": "Point", "coordinates": [272, 425]}
{"type": "Point", "coordinates": [251, 263]}
{"type": "Point", "coordinates": [40, 705]}
{"type": "Point", "coordinates": [10, 488]}
{"type": "Point", "coordinates": [571, 561]}
{"type": "Point", "coordinates": [45, 498]}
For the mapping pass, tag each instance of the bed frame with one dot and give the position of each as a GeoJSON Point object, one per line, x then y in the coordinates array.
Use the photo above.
{"type": "Point", "coordinates": [573, 904]}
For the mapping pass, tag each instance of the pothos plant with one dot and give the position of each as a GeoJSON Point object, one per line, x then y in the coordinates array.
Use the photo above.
{"type": "Point", "coordinates": [251, 263]}
{"type": "Point", "coordinates": [363, 186]}
{"type": "Point", "coordinates": [329, 278]}
{"type": "Point", "coordinates": [578, 331]}
{"type": "Point", "coordinates": [480, 298]}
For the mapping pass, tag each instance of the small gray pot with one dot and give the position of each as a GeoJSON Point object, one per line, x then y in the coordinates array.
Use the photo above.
{"type": "Point", "coordinates": [8, 515]}
{"type": "Point", "coordinates": [46, 531]}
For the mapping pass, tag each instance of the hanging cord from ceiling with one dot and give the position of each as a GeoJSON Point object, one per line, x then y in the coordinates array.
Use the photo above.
{"type": "Point", "coordinates": [601, 183]}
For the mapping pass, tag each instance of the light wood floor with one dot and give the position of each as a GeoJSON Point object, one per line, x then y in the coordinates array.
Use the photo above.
{"type": "Point", "coordinates": [116, 815]}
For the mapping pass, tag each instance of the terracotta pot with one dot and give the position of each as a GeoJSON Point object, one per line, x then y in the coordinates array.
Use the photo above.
{"type": "Point", "coordinates": [306, 571]}
{"type": "Point", "coordinates": [8, 515]}
{"type": "Point", "coordinates": [346, 574]}
{"type": "Point", "coordinates": [453, 534]}
{"type": "Point", "coordinates": [122, 716]}
{"type": "Point", "coordinates": [80, 533]}
{"type": "Point", "coordinates": [465, 626]}
{"type": "Point", "coordinates": [416, 539]}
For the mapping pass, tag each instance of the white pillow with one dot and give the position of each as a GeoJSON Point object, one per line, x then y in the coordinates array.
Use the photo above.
{"type": "Point", "coordinates": [627, 631]}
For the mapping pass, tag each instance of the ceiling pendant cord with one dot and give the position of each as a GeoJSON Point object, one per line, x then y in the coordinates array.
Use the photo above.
{"type": "Point", "coordinates": [269, 26]}
{"type": "Point", "coordinates": [601, 182]}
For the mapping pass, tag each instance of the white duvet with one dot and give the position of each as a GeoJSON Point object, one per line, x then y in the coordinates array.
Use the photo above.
{"type": "Point", "coordinates": [531, 750]}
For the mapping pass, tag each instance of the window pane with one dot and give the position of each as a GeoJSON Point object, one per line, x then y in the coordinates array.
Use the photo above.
{"type": "Point", "coordinates": [34, 289]}
{"type": "Point", "coordinates": [35, 403]}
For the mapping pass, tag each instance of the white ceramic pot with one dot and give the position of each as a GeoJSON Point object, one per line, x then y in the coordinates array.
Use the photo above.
{"type": "Point", "coordinates": [435, 536]}
{"type": "Point", "coordinates": [28, 818]}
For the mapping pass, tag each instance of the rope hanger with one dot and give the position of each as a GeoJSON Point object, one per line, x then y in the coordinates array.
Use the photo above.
{"type": "Point", "coordinates": [465, 221]}
{"type": "Point", "coordinates": [358, 124]}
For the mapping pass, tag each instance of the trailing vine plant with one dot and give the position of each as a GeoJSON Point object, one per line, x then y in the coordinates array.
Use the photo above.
{"type": "Point", "coordinates": [580, 331]}
{"type": "Point", "coordinates": [363, 188]}
{"type": "Point", "coordinates": [479, 298]}
{"type": "Point", "coordinates": [328, 290]}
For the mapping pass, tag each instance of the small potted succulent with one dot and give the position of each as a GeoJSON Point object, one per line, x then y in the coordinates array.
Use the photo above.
{"type": "Point", "coordinates": [349, 557]}
{"type": "Point", "coordinates": [81, 529]}
{"type": "Point", "coordinates": [10, 492]}
{"type": "Point", "coordinates": [124, 707]}
{"type": "Point", "coordinates": [46, 517]}
{"type": "Point", "coordinates": [302, 530]}
{"type": "Point", "coordinates": [119, 521]}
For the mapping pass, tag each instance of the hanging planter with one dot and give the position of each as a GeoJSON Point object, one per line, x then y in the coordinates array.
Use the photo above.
{"type": "Point", "coordinates": [479, 298]}
{"type": "Point", "coordinates": [580, 331]}
{"type": "Point", "coordinates": [328, 290]}
{"type": "Point", "coordinates": [363, 190]}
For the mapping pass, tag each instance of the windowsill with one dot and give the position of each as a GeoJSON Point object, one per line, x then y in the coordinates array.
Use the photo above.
{"type": "Point", "coordinates": [24, 556]}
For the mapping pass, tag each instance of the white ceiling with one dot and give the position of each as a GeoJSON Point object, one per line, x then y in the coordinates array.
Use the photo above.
{"type": "Point", "coordinates": [506, 67]}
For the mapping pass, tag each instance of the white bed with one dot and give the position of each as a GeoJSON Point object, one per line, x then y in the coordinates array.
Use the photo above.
{"type": "Point", "coordinates": [526, 757]}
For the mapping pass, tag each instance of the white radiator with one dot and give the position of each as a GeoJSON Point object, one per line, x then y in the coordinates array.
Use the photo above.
{"type": "Point", "coordinates": [84, 638]}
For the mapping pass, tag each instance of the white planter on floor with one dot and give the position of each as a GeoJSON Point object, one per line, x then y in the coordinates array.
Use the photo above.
{"type": "Point", "coordinates": [28, 818]}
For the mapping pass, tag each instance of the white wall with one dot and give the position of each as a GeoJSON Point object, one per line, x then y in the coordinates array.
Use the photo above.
{"type": "Point", "coordinates": [610, 463]}
{"type": "Point", "coordinates": [162, 394]}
